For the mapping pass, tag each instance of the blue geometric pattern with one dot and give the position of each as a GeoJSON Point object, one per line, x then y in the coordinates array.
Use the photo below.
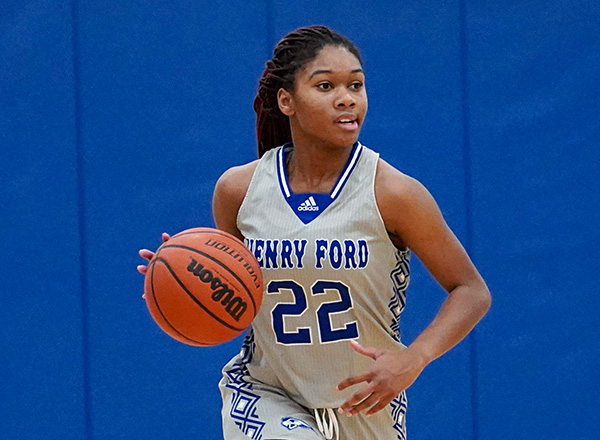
{"type": "Point", "coordinates": [243, 404]}
{"type": "Point", "coordinates": [399, 405]}
{"type": "Point", "coordinates": [400, 278]}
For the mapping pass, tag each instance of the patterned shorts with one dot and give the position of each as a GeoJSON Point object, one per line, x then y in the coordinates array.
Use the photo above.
{"type": "Point", "coordinates": [261, 412]}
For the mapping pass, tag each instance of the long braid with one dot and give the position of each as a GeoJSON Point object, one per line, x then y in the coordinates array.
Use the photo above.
{"type": "Point", "coordinates": [293, 51]}
{"type": "Point", "coordinates": [272, 126]}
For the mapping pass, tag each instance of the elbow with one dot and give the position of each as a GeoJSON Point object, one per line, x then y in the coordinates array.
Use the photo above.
{"type": "Point", "coordinates": [484, 299]}
{"type": "Point", "coordinates": [475, 297]}
{"type": "Point", "coordinates": [478, 297]}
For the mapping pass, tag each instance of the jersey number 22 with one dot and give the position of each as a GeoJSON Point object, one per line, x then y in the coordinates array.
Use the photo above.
{"type": "Point", "coordinates": [299, 306]}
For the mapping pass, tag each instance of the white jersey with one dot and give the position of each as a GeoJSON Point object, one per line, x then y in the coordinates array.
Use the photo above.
{"type": "Point", "coordinates": [331, 275]}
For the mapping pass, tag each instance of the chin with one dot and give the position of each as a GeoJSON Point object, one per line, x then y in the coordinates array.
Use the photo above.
{"type": "Point", "coordinates": [345, 140]}
{"type": "Point", "coordinates": [348, 141]}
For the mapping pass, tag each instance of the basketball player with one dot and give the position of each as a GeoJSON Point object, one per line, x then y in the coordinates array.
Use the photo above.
{"type": "Point", "coordinates": [332, 226]}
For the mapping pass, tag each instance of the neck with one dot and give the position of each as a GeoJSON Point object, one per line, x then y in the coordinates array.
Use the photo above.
{"type": "Point", "coordinates": [313, 168]}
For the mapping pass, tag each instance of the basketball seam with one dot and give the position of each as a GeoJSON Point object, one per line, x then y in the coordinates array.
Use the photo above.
{"type": "Point", "coordinates": [215, 232]}
{"type": "Point", "coordinates": [165, 318]}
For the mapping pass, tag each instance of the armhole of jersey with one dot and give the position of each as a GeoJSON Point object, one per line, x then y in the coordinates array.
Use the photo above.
{"type": "Point", "coordinates": [248, 191]}
{"type": "Point", "coordinates": [383, 229]}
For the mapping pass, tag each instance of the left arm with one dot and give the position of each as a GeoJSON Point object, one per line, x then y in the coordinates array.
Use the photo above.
{"type": "Point", "coordinates": [413, 219]}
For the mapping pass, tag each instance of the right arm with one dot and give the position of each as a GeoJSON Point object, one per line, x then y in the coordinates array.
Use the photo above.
{"type": "Point", "coordinates": [230, 190]}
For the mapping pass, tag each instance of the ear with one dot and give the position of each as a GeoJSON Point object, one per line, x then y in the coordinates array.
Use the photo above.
{"type": "Point", "coordinates": [285, 100]}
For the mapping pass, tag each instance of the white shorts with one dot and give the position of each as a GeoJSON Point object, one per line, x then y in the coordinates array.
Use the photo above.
{"type": "Point", "coordinates": [258, 411]}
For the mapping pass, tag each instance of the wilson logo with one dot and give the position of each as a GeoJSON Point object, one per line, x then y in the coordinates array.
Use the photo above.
{"type": "Point", "coordinates": [234, 305]}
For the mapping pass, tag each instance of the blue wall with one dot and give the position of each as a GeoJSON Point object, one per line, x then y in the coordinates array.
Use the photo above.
{"type": "Point", "coordinates": [116, 119]}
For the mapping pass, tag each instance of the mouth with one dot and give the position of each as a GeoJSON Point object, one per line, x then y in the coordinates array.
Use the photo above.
{"type": "Point", "coordinates": [348, 122]}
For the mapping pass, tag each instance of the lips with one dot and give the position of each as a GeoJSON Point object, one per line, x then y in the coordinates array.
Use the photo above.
{"type": "Point", "coordinates": [347, 122]}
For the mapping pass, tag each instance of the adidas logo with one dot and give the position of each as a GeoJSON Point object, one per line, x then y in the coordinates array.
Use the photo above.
{"type": "Point", "coordinates": [308, 205]}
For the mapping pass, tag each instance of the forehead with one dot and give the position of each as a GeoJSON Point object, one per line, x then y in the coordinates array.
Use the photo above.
{"type": "Point", "coordinates": [336, 59]}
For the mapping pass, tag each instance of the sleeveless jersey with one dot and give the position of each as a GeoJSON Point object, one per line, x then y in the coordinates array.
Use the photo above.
{"type": "Point", "coordinates": [331, 275]}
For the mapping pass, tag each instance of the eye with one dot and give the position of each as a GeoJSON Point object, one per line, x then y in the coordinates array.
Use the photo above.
{"type": "Point", "coordinates": [356, 85]}
{"type": "Point", "coordinates": [324, 86]}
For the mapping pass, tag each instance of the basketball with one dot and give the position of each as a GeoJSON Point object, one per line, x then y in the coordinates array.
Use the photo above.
{"type": "Point", "coordinates": [203, 287]}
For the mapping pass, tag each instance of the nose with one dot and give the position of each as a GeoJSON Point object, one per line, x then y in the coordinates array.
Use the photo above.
{"type": "Point", "coordinates": [345, 99]}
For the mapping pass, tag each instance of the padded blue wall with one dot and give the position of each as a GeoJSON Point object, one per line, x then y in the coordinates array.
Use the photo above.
{"type": "Point", "coordinates": [116, 119]}
{"type": "Point", "coordinates": [41, 340]}
{"type": "Point", "coordinates": [534, 81]}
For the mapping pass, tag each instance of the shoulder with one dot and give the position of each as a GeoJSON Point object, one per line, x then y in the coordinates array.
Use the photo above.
{"type": "Point", "coordinates": [391, 185]}
{"type": "Point", "coordinates": [404, 203]}
{"type": "Point", "coordinates": [229, 193]}
{"type": "Point", "coordinates": [413, 219]}
{"type": "Point", "coordinates": [235, 181]}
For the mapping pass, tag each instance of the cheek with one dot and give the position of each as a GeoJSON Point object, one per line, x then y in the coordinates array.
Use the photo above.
{"type": "Point", "coordinates": [364, 102]}
{"type": "Point", "coordinates": [311, 110]}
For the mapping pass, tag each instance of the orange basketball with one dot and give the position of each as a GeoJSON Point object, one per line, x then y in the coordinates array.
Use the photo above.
{"type": "Point", "coordinates": [203, 287]}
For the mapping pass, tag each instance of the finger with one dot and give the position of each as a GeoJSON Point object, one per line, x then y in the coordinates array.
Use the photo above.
{"type": "Point", "coordinates": [383, 402]}
{"type": "Point", "coordinates": [353, 381]}
{"type": "Point", "coordinates": [367, 403]}
{"type": "Point", "coordinates": [367, 351]}
{"type": "Point", "coordinates": [142, 269]}
{"type": "Point", "coordinates": [144, 296]}
{"type": "Point", "coordinates": [145, 253]}
{"type": "Point", "coordinates": [165, 237]}
{"type": "Point", "coordinates": [356, 399]}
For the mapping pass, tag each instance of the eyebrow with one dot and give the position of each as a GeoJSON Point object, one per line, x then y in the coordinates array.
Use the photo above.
{"type": "Point", "coordinates": [318, 72]}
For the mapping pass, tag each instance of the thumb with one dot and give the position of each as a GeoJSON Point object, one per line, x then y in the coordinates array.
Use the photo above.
{"type": "Point", "coordinates": [371, 352]}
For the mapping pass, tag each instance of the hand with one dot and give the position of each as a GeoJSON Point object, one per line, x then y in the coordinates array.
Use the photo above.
{"type": "Point", "coordinates": [148, 255]}
{"type": "Point", "coordinates": [393, 372]}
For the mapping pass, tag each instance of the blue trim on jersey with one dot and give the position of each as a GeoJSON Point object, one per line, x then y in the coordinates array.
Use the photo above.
{"type": "Point", "coordinates": [285, 189]}
{"type": "Point", "coordinates": [399, 406]}
{"type": "Point", "coordinates": [243, 400]}
{"type": "Point", "coordinates": [308, 206]}
{"type": "Point", "coordinates": [400, 276]}
{"type": "Point", "coordinates": [352, 162]}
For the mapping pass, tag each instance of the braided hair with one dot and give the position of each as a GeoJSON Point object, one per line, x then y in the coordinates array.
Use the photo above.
{"type": "Point", "coordinates": [293, 51]}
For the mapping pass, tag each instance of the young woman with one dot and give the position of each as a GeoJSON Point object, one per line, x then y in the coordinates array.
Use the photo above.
{"type": "Point", "coordinates": [332, 226]}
